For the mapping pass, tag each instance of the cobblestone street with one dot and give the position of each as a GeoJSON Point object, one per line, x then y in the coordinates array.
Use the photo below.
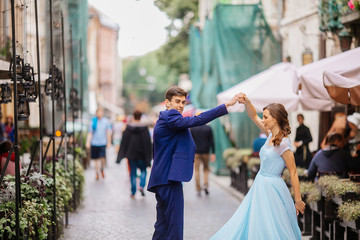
{"type": "Point", "coordinates": [108, 212]}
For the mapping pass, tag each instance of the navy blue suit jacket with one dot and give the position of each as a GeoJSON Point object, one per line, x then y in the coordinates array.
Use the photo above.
{"type": "Point", "coordinates": [174, 147]}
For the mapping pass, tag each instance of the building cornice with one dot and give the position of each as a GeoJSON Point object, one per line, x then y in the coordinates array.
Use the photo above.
{"type": "Point", "coordinates": [292, 20]}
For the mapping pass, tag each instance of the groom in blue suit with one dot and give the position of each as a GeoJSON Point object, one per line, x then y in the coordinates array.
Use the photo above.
{"type": "Point", "coordinates": [174, 151]}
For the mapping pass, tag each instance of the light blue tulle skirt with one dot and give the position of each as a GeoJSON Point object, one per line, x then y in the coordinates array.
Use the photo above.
{"type": "Point", "coordinates": [267, 212]}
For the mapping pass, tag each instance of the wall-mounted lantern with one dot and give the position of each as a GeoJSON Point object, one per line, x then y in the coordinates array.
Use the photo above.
{"type": "Point", "coordinates": [23, 108]}
{"type": "Point", "coordinates": [28, 77]}
{"type": "Point", "coordinates": [345, 39]}
{"type": "Point", "coordinates": [48, 85]}
{"type": "Point", "coordinates": [19, 67]}
{"type": "Point", "coordinates": [307, 56]}
{"type": "Point", "coordinates": [31, 93]}
{"type": "Point", "coordinates": [5, 93]}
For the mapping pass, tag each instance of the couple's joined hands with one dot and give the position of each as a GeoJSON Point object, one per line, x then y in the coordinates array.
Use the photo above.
{"type": "Point", "coordinates": [240, 98]}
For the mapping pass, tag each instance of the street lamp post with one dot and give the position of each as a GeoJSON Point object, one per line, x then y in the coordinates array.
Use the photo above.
{"type": "Point", "coordinates": [52, 72]}
{"type": "Point", "coordinates": [73, 114]}
{"type": "Point", "coordinates": [16, 142]}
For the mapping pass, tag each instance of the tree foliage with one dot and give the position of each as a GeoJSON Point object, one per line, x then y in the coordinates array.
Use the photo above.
{"type": "Point", "coordinates": [145, 78]}
{"type": "Point", "coordinates": [175, 53]}
{"type": "Point", "coordinates": [177, 9]}
{"type": "Point", "coordinates": [148, 77]}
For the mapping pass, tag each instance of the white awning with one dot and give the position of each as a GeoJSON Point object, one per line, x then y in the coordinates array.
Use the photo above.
{"type": "Point", "coordinates": [310, 76]}
{"type": "Point", "coordinates": [272, 85]}
{"type": "Point", "coordinates": [344, 86]}
{"type": "Point", "coordinates": [111, 107]}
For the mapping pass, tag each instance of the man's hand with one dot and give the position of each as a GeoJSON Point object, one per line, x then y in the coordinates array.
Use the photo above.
{"type": "Point", "coordinates": [243, 98]}
{"type": "Point", "coordinates": [87, 145]}
{"type": "Point", "coordinates": [234, 100]}
{"type": "Point", "coordinates": [298, 143]}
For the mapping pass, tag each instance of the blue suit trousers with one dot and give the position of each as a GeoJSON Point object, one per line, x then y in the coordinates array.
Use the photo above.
{"type": "Point", "coordinates": [170, 212]}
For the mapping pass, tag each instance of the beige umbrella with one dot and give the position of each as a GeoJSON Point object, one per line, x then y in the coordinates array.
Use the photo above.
{"type": "Point", "coordinates": [343, 86]}
{"type": "Point", "coordinates": [310, 76]}
{"type": "Point", "coordinates": [272, 85]}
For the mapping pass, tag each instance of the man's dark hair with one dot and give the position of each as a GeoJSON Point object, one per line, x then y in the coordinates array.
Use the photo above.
{"type": "Point", "coordinates": [137, 115]}
{"type": "Point", "coordinates": [300, 115]}
{"type": "Point", "coordinates": [174, 91]}
{"type": "Point", "coordinates": [332, 138]}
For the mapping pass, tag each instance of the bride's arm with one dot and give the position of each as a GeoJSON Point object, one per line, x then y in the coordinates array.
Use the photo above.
{"type": "Point", "coordinates": [289, 159]}
{"type": "Point", "coordinates": [251, 112]}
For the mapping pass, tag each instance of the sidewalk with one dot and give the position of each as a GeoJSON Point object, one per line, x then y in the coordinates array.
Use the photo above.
{"type": "Point", "coordinates": [108, 212]}
{"type": "Point", "coordinates": [224, 183]}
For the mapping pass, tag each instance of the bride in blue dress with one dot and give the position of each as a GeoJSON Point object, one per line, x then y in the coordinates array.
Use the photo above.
{"type": "Point", "coordinates": [268, 210]}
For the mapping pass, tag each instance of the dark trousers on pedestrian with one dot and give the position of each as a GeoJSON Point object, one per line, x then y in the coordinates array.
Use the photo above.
{"type": "Point", "coordinates": [170, 212]}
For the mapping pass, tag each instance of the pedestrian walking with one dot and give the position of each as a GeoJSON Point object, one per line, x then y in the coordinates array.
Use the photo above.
{"type": "Point", "coordinates": [302, 139]}
{"type": "Point", "coordinates": [268, 203]}
{"type": "Point", "coordinates": [2, 130]}
{"type": "Point", "coordinates": [98, 139]}
{"type": "Point", "coordinates": [205, 152]}
{"type": "Point", "coordinates": [258, 143]}
{"type": "Point", "coordinates": [174, 152]}
{"type": "Point", "coordinates": [136, 148]}
{"type": "Point", "coordinates": [9, 128]}
{"type": "Point", "coordinates": [118, 128]}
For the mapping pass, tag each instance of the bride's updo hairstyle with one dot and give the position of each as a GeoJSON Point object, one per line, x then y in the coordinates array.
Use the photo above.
{"type": "Point", "coordinates": [279, 112]}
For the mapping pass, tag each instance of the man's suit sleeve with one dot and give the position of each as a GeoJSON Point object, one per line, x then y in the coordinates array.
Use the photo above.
{"type": "Point", "coordinates": [177, 122]}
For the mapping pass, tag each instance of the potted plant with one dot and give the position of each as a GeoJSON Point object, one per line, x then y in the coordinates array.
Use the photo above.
{"type": "Point", "coordinates": [228, 155]}
{"type": "Point", "coordinates": [347, 190]}
{"type": "Point", "coordinates": [310, 192]}
{"type": "Point", "coordinates": [287, 178]}
{"type": "Point", "coordinates": [253, 165]}
{"type": "Point", "coordinates": [35, 211]}
{"type": "Point", "coordinates": [37, 200]}
{"type": "Point", "coordinates": [354, 5]}
{"type": "Point", "coordinates": [349, 212]}
{"type": "Point", "coordinates": [326, 185]}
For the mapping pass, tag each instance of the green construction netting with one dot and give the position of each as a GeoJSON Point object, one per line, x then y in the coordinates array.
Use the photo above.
{"type": "Point", "coordinates": [75, 13]}
{"type": "Point", "coordinates": [78, 18]}
{"type": "Point", "coordinates": [236, 44]}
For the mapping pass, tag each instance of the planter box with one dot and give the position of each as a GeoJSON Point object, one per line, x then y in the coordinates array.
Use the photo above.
{"type": "Point", "coordinates": [353, 224]}
{"type": "Point", "coordinates": [354, 177]}
{"type": "Point", "coordinates": [254, 170]}
{"type": "Point", "coordinates": [349, 196]}
{"type": "Point", "coordinates": [351, 17]}
{"type": "Point", "coordinates": [305, 222]}
{"type": "Point", "coordinates": [303, 178]}
{"type": "Point", "coordinates": [338, 200]}
{"type": "Point", "coordinates": [317, 206]}
{"type": "Point", "coordinates": [243, 179]}
{"type": "Point", "coordinates": [352, 196]}
{"type": "Point", "coordinates": [329, 211]}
